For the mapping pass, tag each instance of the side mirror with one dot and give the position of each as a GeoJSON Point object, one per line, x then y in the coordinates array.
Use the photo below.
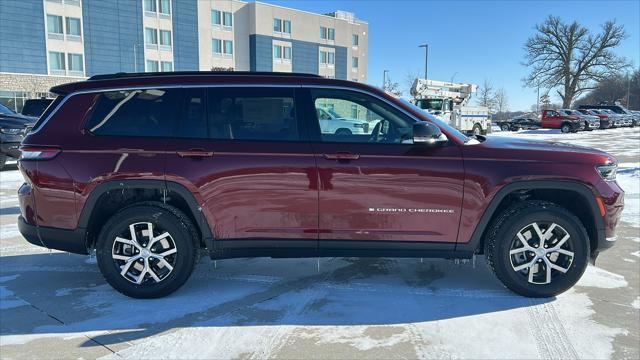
{"type": "Point", "coordinates": [428, 134]}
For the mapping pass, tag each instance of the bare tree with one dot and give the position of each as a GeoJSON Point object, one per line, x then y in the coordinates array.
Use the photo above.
{"type": "Point", "coordinates": [502, 103]}
{"type": "Point", "coordinates": [487, 96]}
{"type": "Point", "coordinates": [392, 87]}
{"type": "Point", "coordinates": [409, 79]}
{"type": "Point", "coordinates": [569, 58]}
{"type": "Point", "coordinates": [545, 102]}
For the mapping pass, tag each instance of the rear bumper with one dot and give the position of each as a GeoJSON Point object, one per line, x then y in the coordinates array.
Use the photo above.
{"type": "Point", "coordinates": [59, 239]}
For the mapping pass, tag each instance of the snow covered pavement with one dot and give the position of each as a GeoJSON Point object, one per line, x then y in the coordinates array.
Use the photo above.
{"type": "Point", "coordinates": [56, 304]}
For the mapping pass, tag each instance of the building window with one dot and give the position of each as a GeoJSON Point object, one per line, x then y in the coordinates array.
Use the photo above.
{"type": "Point", "coordinates": [228, 47]}
{"type": "Point", "coordinates": [323, 33]}
{"type": "Point", "coordinates": [165, 7]}
{"type": "Point", "coordinates": [227, 19]}
{"type": "Point", "coordinates": [354, 40]}
{"type": "Point", "coordinates": [152, 66]}
{"type": "Point", "coordinates": [282, 26]}
{"type": "Point", "coordinates": [150, 36]}
{"type": "Point", "coordinates": [354, 63]}
{"type": "Point", "coordinates": [216, 46]}
{"type": "Point", "coordinates": [165, 37]}
{"type": "Point", "coordinates": [327, 58]}
{"type": "Point", "coordinates": [277, 52]}
{"type": "Point", "coordinates": [73, 27]}
{"type": "Point", "coordinates": [354, 111]}
{"type": "Point", "coordinates": [331, 34]}
{"type": "Point", "coordinates": [216, 18]}
{"type": "Point", "coordinates": [54, 24]}
{"type": "Point", "coordinates": [56, 62]}
{"type": "Point", "coordinates": [166, 66]}
{"type": "Point", "coordinates": [150, 5]}
{"type": "Point", "coordinates": [75, 63]}
{"type": "Point", "coordinates": [282, 53]}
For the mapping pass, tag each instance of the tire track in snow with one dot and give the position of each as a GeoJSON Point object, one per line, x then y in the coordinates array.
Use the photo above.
{"type": "Point", "coordinates": [550, 335]}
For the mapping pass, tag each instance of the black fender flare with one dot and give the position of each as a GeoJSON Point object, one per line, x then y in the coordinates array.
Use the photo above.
{"type": "Point", "coordinates": [580, 188]}
{"type": "Point", "coordinates": [162, 185]}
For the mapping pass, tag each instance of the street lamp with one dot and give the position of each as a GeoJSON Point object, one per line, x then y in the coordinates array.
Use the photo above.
{"type": "Point", "coordinates": [426, 58]}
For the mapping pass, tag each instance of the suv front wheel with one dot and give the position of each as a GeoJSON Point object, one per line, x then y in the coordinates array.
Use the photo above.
{"type": "Point", "coordinates": [147, 250]}
{"type": "Point", "coordinates": [537, 248]}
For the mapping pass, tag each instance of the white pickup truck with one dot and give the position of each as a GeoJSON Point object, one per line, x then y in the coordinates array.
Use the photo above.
{"type": "Point", "coordinates": [332, 123]}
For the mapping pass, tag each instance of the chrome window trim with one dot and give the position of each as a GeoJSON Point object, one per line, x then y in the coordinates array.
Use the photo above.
{"type": "Point", "coordinates": [310, 86]}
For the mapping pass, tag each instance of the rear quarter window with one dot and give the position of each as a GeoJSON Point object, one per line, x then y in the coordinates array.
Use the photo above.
{"type": "Point", "coordinates": [148, 112]}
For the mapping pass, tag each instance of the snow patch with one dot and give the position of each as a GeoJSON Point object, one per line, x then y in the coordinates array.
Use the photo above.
{"type": "Point", "coordinates": [636, 303]}
{"type": "Point", "coordinates": [600, 278]}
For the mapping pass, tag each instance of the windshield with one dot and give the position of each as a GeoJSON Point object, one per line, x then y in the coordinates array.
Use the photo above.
{"type": "Point", "coordinates": [333, 113]}
{"type": "Point", "coordinates": [429, 104]}
{"type": "Point", "coordinates": [566, 112]}
{"type": "Point", "coordinates": [5, 110]}
{"type": "Point", "coordinates": [443, 125]}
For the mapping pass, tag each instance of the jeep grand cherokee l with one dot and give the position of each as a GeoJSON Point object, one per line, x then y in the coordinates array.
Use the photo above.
{"type": "Point", "coordinates": [149, 170]}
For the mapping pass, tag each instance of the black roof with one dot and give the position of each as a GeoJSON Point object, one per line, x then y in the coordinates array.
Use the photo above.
{"type": "Point", "coordinates": [192, 73]}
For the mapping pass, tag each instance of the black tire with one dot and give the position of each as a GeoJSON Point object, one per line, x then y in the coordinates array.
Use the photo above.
{"type": "Point", "coordinates": [343, 132]}
{"type": "Point", "coordinates": [565, 128]}
{"type": "Point", "coordinates": [3, 161]}
{"type": "Point", "coordinates": [165, 218]}
{"type": "Point", "coordinates": [503, 234]}
{"type": "Point", "coordinates": [505, 127]}
{"type": "Point", "coordinates": [515, 128]}
{"type": "Point", "coordinates": [477, 129]}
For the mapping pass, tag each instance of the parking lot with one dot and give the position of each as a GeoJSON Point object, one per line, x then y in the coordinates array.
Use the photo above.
{"type": "Point", "coordinates": [55, 304]}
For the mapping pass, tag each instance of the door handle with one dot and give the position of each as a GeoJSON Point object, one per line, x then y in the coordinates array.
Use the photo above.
{"type": "Point", "coordinates": [342, 156]}
{"type": "Point", "coordinates": [195, 153]}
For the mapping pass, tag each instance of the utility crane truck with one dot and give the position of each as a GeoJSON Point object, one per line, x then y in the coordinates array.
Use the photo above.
{"type": "Point", "coordinates": [449, 102]}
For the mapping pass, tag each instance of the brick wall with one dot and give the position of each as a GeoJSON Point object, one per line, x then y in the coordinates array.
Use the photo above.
{"type": "Point", "coordinates": [32, 83]}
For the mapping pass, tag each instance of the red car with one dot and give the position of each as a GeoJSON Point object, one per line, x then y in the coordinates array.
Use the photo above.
{"type": "Point", "coordinates": [554, 119]}
{"type": "Point", "coordinates": [150, 170]}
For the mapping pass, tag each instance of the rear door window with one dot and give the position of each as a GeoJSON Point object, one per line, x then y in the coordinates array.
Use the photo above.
{"type": "Point", "coordinates": [148, 112]}
{"type": "Point", "coordinates": [252, 114]}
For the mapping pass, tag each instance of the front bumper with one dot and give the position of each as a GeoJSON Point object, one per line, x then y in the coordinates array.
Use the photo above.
{"type": "Point", "coordinates": [59, 239]}
{"type": "Point", "coordinates": [594, 125]}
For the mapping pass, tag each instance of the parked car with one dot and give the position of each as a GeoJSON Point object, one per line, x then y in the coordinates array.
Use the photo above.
{"type": "Point", "coordinates": [165, 167]}
{"type": "Point", "coordinates": [35, 107]}
{"type": "Point", "coordinates": [603, 118]}
{"type": "Point", "coordinates": [590, 122]}
{"type": "Point", "coordinates": [332, 123]}
{"type": "Point", "coordinates": [518, 124]}
{"type": "Point", "coordinates": [617, 109]}
{"type": "Point", "coordinates": [553, 119]}
{"type": "Point", "coordinates": [619, 120]}
{"type": "Point", "coordinates": [12, 129]}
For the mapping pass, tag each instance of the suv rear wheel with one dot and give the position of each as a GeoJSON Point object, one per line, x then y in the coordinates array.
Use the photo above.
{"type": "Point", "coordinates": [147, 250]}
{"type": "Point", "coordinates": [537, 248]}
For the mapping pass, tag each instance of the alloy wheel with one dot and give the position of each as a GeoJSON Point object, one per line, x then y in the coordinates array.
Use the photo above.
{"type": "Point", "coordinates": [144, 253]}
{"type": "Point", "coordinates": [541, 251]}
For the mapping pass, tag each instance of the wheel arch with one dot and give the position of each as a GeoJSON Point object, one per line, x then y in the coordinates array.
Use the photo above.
{"type": "Point", "coordinates": [109, 197]}
{"type": "Point", "coordinates": [576, 197]}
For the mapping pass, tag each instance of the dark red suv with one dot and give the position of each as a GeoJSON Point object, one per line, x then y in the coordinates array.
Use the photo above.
{"type": "Point", "coordinates": [152, 169]}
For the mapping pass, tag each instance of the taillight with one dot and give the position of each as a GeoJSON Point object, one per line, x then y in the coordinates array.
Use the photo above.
{"type": "Point", "coordinates": [38, 153]}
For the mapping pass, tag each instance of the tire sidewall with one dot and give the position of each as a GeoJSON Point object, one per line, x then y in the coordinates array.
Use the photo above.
{"type": "Point", "coordinates": [159, 218]}
{"type": "Point", "coordinates": [517, 282]}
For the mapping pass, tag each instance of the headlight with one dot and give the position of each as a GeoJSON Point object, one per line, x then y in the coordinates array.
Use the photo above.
{"type": "Point", "coordinates": [608, 172]}
{"type": "Point", "coordinates": [11, 131]}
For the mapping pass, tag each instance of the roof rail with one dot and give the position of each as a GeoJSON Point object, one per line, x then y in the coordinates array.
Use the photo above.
{"type": "Point", "coordinates": [192, 73]}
